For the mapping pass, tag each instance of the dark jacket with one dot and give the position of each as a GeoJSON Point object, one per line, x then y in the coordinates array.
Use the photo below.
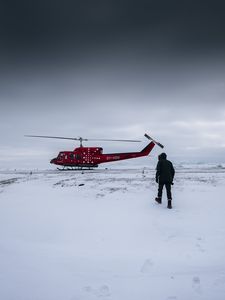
{"type": "Point", "coordinates": [164, 171]}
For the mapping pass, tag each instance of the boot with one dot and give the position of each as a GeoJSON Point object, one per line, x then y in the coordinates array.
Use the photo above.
{"type": "Point", "coordinates": [158, 199]}
{"type": "Point", "coordinates": [169, 203]}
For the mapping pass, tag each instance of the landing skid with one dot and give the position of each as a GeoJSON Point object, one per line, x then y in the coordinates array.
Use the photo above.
{"type": "Point", "coordinates": [75, 168]}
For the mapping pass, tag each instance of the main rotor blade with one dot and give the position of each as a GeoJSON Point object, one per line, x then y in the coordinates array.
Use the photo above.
{"type": "Point", "coordinates": [111, 140]}
{"type": "Point", "coordinates": [55, 137]}
{"type": "Point", "coordinates": [78, 139]}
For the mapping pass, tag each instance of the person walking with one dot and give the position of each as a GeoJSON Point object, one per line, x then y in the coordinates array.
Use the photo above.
{"type": "Point", "coordinates": [164, 176]}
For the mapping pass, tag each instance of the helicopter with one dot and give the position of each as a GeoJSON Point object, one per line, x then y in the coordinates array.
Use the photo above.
{"type": "Point", "coordinates": [90, 157]}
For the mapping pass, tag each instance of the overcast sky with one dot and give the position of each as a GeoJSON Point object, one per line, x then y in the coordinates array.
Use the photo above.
{"type": "Point", "coordinates": [112, 69]}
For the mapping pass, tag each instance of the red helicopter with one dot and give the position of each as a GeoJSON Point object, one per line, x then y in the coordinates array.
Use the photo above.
{"type": "Point", "coordinates": [91, 157]}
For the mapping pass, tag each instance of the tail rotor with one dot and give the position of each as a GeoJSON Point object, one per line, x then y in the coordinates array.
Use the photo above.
{"type": "Point", "coordinates": [155, 142]}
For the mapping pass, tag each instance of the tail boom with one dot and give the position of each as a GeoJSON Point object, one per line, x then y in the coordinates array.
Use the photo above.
{"type": "Point", "coordinates": [121, 156]}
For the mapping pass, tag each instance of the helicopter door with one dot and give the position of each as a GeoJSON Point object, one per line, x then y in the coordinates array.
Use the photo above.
{"type": "Point", "coordinates": [78, 157]}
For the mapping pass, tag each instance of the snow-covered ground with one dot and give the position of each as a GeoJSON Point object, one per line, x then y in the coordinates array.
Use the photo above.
{"type": "Point", "coordinates": [100, 235]}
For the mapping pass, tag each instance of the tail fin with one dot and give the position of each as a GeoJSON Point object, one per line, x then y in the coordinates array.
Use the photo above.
{"type": "Point", "coordinates": [148, 148]}
{"type": "Point", "coordinates": [151, 145]}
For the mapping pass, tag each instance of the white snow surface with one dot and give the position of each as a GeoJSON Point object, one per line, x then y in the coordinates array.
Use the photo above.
{"type": "Point", "coordinates": [100, 235]}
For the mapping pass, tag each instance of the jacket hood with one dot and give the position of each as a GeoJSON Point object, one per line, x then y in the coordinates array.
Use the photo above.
{"type": "Point", "coordinates": [163, 156]}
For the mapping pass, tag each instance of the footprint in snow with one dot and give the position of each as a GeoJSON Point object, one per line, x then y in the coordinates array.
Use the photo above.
{"type": "Point", "coordinates": [99, 195]}
{"type": "Point", "coordinates": [102, 291]}
{"type": "Point", "coordinates": [196, 284]}
{"type": "Point", "coordinates": [88, 289]}
{"type": "Point", "coordinates": [220, 280]}
{"type": "Point", "coordinates": [147, 266]}
{"type": "Point", "coordinates": [199, 246]}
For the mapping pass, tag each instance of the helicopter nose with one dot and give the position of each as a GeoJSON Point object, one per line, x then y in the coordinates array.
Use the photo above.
{"type": "Point", "coordinates": [53, 161]}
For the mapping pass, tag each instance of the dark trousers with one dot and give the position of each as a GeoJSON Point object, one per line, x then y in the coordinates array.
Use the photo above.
{"type": "Point", "coordinates": [168, 190]}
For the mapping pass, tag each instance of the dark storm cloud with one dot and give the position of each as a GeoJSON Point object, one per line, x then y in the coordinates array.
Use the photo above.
{"type": "Point", "coordinates": [184, 24]}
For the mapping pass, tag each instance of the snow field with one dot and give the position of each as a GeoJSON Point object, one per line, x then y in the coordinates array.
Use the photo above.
{"type": "Point", "coordinates": [100, 235]}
